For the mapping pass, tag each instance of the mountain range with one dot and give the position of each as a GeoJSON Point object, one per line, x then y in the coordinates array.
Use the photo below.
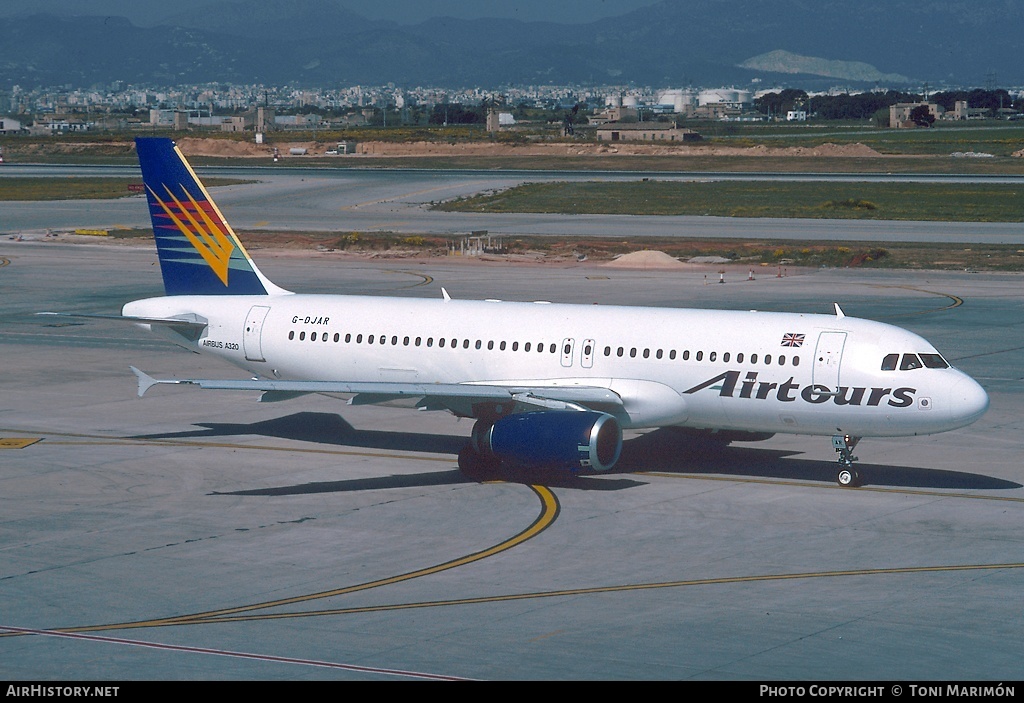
{"type": "Point", "coordinates": [801, 43]}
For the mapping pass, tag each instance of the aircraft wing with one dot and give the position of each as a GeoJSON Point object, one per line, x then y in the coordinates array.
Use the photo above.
{"type": "Point", "coordinates": [431, 396]}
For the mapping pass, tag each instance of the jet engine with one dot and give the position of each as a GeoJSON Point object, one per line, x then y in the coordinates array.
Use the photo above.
{"type": "Point", "coordinates": [552, 439]}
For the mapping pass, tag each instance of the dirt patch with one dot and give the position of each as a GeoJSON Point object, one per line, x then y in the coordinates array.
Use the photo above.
{"type": "Point", "coordinates": [232, 148]}
{"type": "Point", "coordinates": [646, 259]}
{"type": "Point", "coordinates": [194, 146]}
{"type": "Point", "coordinates": [604, 149]}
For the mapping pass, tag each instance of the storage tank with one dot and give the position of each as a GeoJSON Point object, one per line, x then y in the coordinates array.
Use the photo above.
{"type": "Point", "coordinates": [683, 101]}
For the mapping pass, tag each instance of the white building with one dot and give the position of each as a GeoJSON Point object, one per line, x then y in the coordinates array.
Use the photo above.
{"type": "Point", "coordinates": [10, 126]}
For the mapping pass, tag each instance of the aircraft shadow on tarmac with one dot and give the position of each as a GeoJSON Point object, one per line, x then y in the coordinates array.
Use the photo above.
{"type": "Point", "coordinates": [334, 430]}
{"type": "Point", "coordinates": [670, 451]}
{"type": "Point", "coordinates": [665, 450]}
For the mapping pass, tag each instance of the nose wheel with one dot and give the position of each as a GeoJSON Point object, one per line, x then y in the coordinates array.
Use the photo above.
{"type": "Point", "coordinates": [847, 476]}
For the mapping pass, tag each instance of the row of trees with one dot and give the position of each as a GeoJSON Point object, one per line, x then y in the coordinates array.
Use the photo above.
{"type": "Point", "coordinates": [867, 105]}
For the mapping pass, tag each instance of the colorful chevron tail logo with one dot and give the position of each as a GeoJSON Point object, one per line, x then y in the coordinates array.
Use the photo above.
{"type": "Point", "coordinates": [198, 225]}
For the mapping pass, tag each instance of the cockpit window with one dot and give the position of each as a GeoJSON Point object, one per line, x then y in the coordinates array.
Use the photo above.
{"type": "Point", "coordinates": [910, 361]}
{"type": "Point", "coordinates": [934, 361]}
{"type": "Point", "coordinates": [890, 361]}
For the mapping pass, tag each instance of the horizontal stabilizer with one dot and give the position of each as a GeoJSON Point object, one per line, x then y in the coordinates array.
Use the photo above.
{"type": "Point", "coordinates": [189, 326]}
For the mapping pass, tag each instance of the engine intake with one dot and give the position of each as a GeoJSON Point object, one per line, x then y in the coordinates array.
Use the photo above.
{"type": "Point", "coordinates": [552, 439]}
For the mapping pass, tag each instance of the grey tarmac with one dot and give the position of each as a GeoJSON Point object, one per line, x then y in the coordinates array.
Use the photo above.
{"type": "Point", "coordinates": [201, 535]}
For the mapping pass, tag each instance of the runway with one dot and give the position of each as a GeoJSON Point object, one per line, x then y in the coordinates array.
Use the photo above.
{"type": "Point", "coordinates": [399, 201]}
{"type": "Point", "coordinates": [200, 535]}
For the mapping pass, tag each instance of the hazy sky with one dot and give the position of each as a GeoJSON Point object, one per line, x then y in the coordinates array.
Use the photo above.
{"type": "Point", "coordinates": [146, 12]}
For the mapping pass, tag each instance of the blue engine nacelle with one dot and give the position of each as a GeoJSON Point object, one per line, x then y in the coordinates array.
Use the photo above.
{"type": "Point", "coordinates": [552, 439]}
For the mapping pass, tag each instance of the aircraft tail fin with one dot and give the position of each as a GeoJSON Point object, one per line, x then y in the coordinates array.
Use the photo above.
{"type": "Point", "coordinates": [199, 252]}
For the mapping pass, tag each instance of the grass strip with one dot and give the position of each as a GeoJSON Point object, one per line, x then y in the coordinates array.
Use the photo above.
{"type": "Point", "coordinates": [943, 202]}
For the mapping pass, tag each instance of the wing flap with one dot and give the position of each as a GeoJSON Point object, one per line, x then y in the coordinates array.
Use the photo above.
{"type": "Point", "coordinates": [445, 394]}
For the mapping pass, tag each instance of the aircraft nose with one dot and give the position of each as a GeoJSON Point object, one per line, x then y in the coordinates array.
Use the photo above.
{"type": "Point", "coordinates": [968, 399]}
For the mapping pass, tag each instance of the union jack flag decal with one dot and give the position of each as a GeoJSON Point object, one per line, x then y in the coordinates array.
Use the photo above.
{"type": "Point", "coordinates": [791, 339]}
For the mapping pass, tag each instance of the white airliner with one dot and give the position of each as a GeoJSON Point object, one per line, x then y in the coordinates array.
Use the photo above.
{"type": "Point", "coordinates": [550, 385]}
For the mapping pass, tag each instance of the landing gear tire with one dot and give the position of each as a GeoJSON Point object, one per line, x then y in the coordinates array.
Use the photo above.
{"type": "Point", "coordinates": [848, 478]}
{"type": "Point", "coordinates": [844, 445]}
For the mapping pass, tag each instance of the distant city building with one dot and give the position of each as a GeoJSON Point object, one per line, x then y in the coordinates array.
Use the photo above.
{"type": "Point", "coordinates": [796, 116]}
{"type": "Point", "coordinates": [899, 114]}
{"type": "Point", "coordinates": [645, 132]}
{"type": "Point", "coordinates": [961, 111]}
{"type": "Point", "coordinates": [10, 126]}
{"type": "Point", "coordinates": [616, 114]}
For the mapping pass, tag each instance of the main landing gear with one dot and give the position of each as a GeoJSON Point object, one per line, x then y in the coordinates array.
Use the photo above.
{"type": "Point", "coordinates": [848, 475]}
{"type": "Point", "coordinates": [476, 466]}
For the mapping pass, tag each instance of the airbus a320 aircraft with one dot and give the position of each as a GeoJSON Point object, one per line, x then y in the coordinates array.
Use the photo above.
{"type": "Point", "coordinates": [549, 385]}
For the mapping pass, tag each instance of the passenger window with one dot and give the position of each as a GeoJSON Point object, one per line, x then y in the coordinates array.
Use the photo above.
{"type": "Point", "coordinates": [672, 354]}
{"type": "Point", "coordinates": [712, 356]}
{"type": "Point", "coordinates": [586, 350]}
{"type": "Point", "coordinates": [337, 338]}
{"type": "Point", "coordinates": [554, 348]}
{"type": "Point", "coordinates": [430, 341]}
{"type": "Point", "coordinates": [348, 337]}
{"type": "Point", "coordinates": [700, 355]}
{"type": "Point", "coordinates": [725, 357]}
{"type": "Point", "coordinates": [647, 353]}
{"type": "Point", "coordinates": [490, 344]}
{"type": "Point", "coordinates": [502, 346]}
{"type": "Point", "coordinates": [607, 351]}
{"type": "Point", "coordinates": [796, 361]}
{"type": "Point", "coordinates": [767, 359]}
{"type": "Point", "coordinates": [658, 354]}
{"type": "Point", "coordinates": [632, 353]}
{"type": "Point", "coordinates": [739, 358]}
{"type": "Point", "coordinates": [418, 339]}
{"type": "Point", "coordinates": [359, 339]}
{"type": "Point", "coordinates": [782, 360]}
{"type": "Point", "coordinates": [302, 336]}
{"type": "Point", "coordinates": [515, 346]}
{"type": "Point", "coordinates": [753, 358]}
{"type": "Point", "coordinates": [369, 339]}
{"type": "Point", "coordinates": [441, 342]}
{"type": "Point", "coordinates": [889, 362]}
{"type": "Point", "coordinates": [478, 343]}
{"type": "Point", "coordinates": [291, 335]}
{"type": "Point", "coordinates": [619, 352]}
{"type": "Point", "coordinates": [934, 361]}
{"type": "Point", "coordinates": [526, 347]}
{"type": "Point", "coordinates": [910, 362]}
{"type": "Point", "coordinates": [405, 341]}
{"type": "Point", "coordinates": [686, 355]}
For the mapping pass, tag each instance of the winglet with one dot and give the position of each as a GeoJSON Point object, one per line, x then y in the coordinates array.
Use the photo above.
{"type": "Point", "coordinates": [839, 311]}
{"type": "Point", "coordinates": [145, 380]}
{"type": "Point", "coordinates": [444, 294]}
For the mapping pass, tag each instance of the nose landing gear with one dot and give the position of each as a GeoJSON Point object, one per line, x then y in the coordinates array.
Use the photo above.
{"type": "Point", "coordinates": [848, 476]}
